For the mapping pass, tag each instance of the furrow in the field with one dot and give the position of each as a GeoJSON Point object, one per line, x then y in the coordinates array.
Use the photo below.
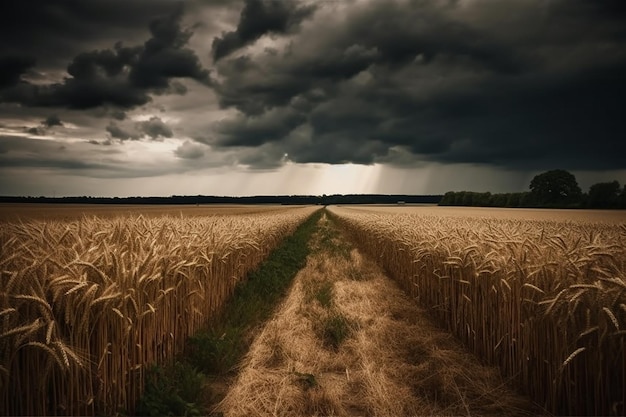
{"type": "Point", "coordinates": [347, 341]}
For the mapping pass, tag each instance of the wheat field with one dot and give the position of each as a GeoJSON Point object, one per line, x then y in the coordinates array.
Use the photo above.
{"type": "Point", "coordinates": [544, 300]}
{"type": "Point", "coordinates": [87, 305]}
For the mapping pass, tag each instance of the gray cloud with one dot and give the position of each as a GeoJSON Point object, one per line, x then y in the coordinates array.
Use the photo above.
{"type": "Point", "coordinates": [123, 132]}
{"type": "Point", "coordinates": [156, 128]}
{"type": "Point", "coordinates": [189, 150]}
{"type": "Point", "coordinates": [78, 158]}
{"type": "Point", "coordinates": [123, 77]}
{"type": "Point", "coordinates": [52, 120]}
{"type": "Point", "coordinates": [257, 130]}
{"type": "Point", "coordinates": [259, 17]}
{"type": "Point", "coordinates": [519, 85]}
{"type": "Point", "coordinates": [165, 56]}
{"type": "Point", "coordinates": [12, 67]}
{"type": "Point", "coordinates": [22, 152]}
{"type": "Point", "coordinates": [52, 32]}
{"type": "Point", "coordinates": [536, 86]}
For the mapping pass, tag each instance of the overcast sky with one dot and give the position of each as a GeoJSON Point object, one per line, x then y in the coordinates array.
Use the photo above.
{"type": "Point", "coordinates": [225, 97]}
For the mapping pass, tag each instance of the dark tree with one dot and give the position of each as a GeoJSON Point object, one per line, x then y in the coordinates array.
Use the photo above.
{"type": "Point", "coordinates": [555, 188]}
{"type": "Point", "coordinates": [621, 199]}
{"type": "Point", "coordinates": [604, 194]}
{"type": "Point", "coordinates": [448, 199]}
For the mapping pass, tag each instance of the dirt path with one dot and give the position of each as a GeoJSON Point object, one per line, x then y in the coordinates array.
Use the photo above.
{"type": "Point", "coordinates": [347, 342]}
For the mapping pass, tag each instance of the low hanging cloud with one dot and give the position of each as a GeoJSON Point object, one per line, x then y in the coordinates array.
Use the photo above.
{"type": "Point", "coordinates": [123, 77]}
{"type": "Point", "coordinates": [450, 82]}
{"type": "Point", "coordinates": [519, 85]}
{"type": "Point", "coordinates": [38, 153]}
{"type": "Point", "coordinates": [153, 128]}
{"type": "Point", "coordinates": [257, 130]}
{"type": "Point", "coordinates": [12, 67]}
{"type": "Point", "coordinates": [123, 132]}
{"type": "Point", "coordinates": [52, 120]}
{"type": "Point", "coordinates": [189, 150]}
{"type": "Point", "coordinates": [156, 128]}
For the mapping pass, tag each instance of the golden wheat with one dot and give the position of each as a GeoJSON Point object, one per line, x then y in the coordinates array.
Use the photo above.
{"type": "Point", "coordinates": [542, 299]}
{"type": "Point", "coordinates": [87, 305]}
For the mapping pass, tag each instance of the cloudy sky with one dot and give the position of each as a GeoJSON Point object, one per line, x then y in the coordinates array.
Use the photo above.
{"type": "Point", "coordinates": [229, 97]}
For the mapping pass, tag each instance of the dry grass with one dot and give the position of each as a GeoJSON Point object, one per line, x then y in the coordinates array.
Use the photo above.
{"type": "Point", "coordinates": [502, 213]}
{"type": "Point", "coordinates": [545, 301]}
{"type": "Point", "coordinates": [11, 212]}
{"type": "Point", "coordinates": [393, 363]}
{"type": "Point", "coordinates": [86, 306]}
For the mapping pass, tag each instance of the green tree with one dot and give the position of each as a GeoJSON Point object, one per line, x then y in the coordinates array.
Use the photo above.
{"type": "Point", "coordinates": [604, 194]}
{"type": "Point", "coordinates": [513, 200]}
{"type": "Point", "coordinates": [556, 188]}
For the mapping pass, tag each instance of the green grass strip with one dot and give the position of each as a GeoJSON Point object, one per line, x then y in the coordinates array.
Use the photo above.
{"type": "Point", "coordinates": [174, 389]}
{"type": "Point", "coordinates": [217, 349]}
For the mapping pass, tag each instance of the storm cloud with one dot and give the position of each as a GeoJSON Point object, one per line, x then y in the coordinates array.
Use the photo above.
{"type": "Point", "coordinates": [52, 120]}
{"type": "Point", "coordinates": [259, 17]}
{"type": "Point", "coordinates": [123, 77]}
{"type": "Point", "coordinates": [12, 67]}
{"type": "Point", "coordinates": [154, 128]}
{"type": "Point", "coordinates": [256, 86]}
{"type": "Point", "coordinates": [449, 82]}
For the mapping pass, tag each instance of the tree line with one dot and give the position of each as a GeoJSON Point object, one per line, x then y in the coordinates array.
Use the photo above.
{"type": "Point", "coordinates": [259, 199]}
{"type": "Point", "coordinates": [553, 189]}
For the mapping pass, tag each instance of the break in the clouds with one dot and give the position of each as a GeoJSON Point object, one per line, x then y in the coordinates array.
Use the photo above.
{"type": "Point", "coordinates": [272, 85]}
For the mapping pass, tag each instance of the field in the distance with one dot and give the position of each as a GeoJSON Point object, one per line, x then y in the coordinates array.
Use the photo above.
{"type": "Point", "coordinates": [589, 216]}
{"type": "Point", "coordinates": [25, 211]}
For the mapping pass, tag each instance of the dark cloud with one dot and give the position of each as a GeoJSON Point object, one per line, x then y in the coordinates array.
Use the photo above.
{"type": "Point", "coordinates": [189, 150]}
{"type": "Point", "coordinates": [118, 115]}
{"type": "Point", "coordinates": [119, 132]}
{"type": "Point", "coordinates": [266, 157]}
{"type": "Point", "coordinates": [156, 128]}
{"type": "Point", "coordinates": [123, 77]}
{"type": "Point", "coordinates": [259, 17]}
{"type": "Point", "coordinates": [518, 84]}
{"type": "Point", "coordinates": [255, 131]}
{"type": "Point", "coordinates": [55, 31]}
{"type": "Point", "coordinates": [529, 85]}
{"type": "Point", "coordinates": [36, 131]}
{"type": "Point", "coordinates": [12, 67]}
{"type": "Point", "coordinates": [52, 120]}
{"type": "Point", "coordinates": [164, 56]}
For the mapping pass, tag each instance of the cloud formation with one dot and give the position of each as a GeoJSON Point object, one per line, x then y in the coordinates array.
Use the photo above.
{"type": "Point", "coordinates": [258, 18]}
{"type": "Point", "coordinates": [123, 77]}
{"type": "Point", "coordinates": [266, 85]}
{"type": "Point", "coordinates": [12, 67]}
{"type": "Point", "coordinates": [52, 120]}
{"type": "Point", "coordinates": [189, 150]}
{"type": "Point", "coordinates": [521, 85]}
{"type": "Point", "coordinates": [154, 128]}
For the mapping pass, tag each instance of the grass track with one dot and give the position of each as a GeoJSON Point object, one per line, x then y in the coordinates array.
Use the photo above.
{"type": "Point", "coordinates": [346, 342]}
{"type": "Point", "coordinates": [212, 354]}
